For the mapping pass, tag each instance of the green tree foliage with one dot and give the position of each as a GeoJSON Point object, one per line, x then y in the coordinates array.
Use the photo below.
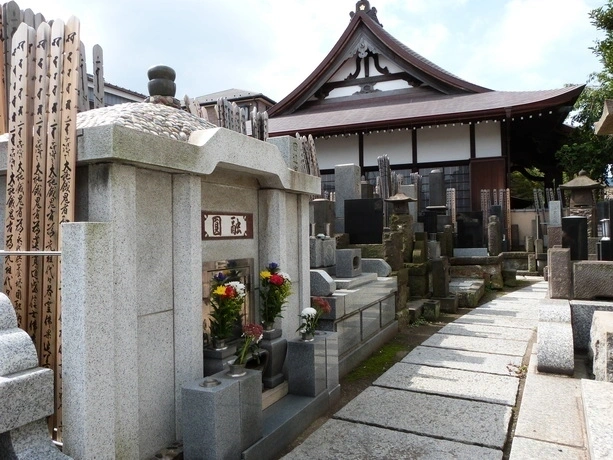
{"type": "Point", "coordinates": [586, 150]}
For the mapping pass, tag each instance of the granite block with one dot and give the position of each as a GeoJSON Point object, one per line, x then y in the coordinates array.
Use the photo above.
{"type": "Point", "coordinates": [89, 381]}
{"type": "Point", "coordinates": [470, 252]}
{"type": "Point", "coordinates": [601, 345]}
{"type": "Point", "coordinates": [592, 279]}
{"type": "Point", "coordinates": [545, 398]}
{"type": "Point", "coordinates": [315, 253]}
{"type": "Point", "coordinates": [554, 236]}
{"type": "Point", "coordinates": [26, 396]}
{"type": "Point", "coordinates": [448, 304]}
{"type": "Point", "coordinates": [346, 187]}
{"type": "Point", "coordinates": [17, 352]}
{"type": "Point", "coordinates": [210, 418]}
{"type": "Point", "coordinates": [322, 284]}
{"type": "Point", "coordinates": [288, 147]}
{"type": "Point", "coordinates": [348, 263]}
{"type": "Point", "coordinates": [598, 407]}
{"type": "Point", "coordinates": [187, 288]}
{"type": "Point", "coordinates": [477, 386]}
{"type": "Point", "coordinates": [378, 266]}
{"type": "Point", "coordinates": [465, 360]}
{"type": "Point", "coordinates": [462, 420]}
{"type": "Point", "coordinates": [382, 443]}
{"type": "Point", "coordinates": [554, 310]}
{"type": "Point", "coordinates": [31, 441]}
{"type": "Point", "coordinates": [526, 448]}
{"type": "Point", "coordinates": [555, 351]}
{"type": "Point", "coordinates": [250, 405]}
{"type": "Point", "coordinates": [306, 366]}
{"type": "Point", "coordinates": [582, 312]}
{"type": "Point", "coordinates": [329, 252]}
{"type": "Point", "coordinates": [153, 225]}
{"type": "Point", "coordinates": [8, 317]}
{"type": "Point", "coordinates": [431, 309]}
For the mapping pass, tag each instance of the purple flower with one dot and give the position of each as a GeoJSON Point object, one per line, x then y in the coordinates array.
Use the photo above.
{"type": "Point", "coordinates": [272, 267]}
{"type": "Point", "coordinates": [219, 277]}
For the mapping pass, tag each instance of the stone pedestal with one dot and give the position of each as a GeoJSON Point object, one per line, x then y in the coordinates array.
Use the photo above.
{"type": "Point", "coordinates": [431, 310]}
{"type": "Point", "coordinates": [276, 346]}
{"type": "Point", "coordinates": [216, 360]}
{"type": "Point", "coordinates": [312, 366]}
{"type": "Point", "coordinates": [223, 419]}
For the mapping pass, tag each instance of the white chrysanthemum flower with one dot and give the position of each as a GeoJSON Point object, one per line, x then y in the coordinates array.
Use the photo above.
{"type": "Point", "coordinates": [285, 276]}
{"type": "Point", "coordinates": [308, 312]}
{"type": "Point", "coordinates": [239, 287]}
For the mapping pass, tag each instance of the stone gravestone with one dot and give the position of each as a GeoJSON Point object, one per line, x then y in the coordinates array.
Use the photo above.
{"type": "Point", "coordinates": [26, 392]}
{"type": "Point", "coordinates": [321, 217]}
{"type": "Point", "coordinates": [470, 229]}
{"type": "Point", "coordinates": [364, 220]}
{"type": "Point", "coordinates": [555, 214]}
{"type": "Point", "coordinates": [346, 187]}
{"type": "Point", "coordinates": [574, 236]}
{"type": "Point", "coordinates": [438, 196]}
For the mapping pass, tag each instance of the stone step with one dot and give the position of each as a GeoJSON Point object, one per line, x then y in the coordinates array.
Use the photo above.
{"type": "Point", "coordinates": [468, 291]}
{"type": "Point", "coordinates": [597, 409]}
{"type": "Point", "coordinates": [353, 283]}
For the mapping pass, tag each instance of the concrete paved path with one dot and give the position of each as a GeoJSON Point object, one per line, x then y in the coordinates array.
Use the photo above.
{"type": "Point", "coordinates": [451, 397]}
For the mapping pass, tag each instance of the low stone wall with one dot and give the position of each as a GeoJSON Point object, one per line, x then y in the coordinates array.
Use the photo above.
{"type": "Point", "coordinates": [487, 268]}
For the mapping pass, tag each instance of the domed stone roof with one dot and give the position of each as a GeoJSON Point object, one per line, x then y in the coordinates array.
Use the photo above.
{"type": "Point", "coordinates": [156, 119]}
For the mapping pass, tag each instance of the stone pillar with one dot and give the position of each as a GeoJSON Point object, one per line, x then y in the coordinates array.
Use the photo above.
{"type": "Point", "coordinates": [111, 197]}
{"type": "Point", "coordinates": [494, 238]}
{"type": "Point", "coordinates": [187, 284]}
{"type": "Point", "coordinates": [346, 187]}
{"type": "Point", "coordinates": [560, 280]}
{"type": "Point", "coordinates": [88, 341]}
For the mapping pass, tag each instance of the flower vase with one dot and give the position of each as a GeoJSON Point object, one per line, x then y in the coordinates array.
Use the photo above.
{"type": "Point", "coordinates": [219, 344]}
{"type": "Point", "coordinates": [276, 346]}
{"type": "Point", "coordinates": [307, 337]}
{"type": "Point", "coordinates": [236, 370]}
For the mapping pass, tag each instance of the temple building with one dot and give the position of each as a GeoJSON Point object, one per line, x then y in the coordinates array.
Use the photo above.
{"type": "Point", "coordinates": [374, 96]}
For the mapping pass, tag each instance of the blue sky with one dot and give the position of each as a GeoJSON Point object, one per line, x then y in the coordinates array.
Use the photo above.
{"type": "Point", "coordinates": [271, 46]}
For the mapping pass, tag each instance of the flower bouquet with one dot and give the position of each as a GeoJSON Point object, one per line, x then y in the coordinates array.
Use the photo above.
{"type": "Point", "coordinates": [310, 317]}
{"type": "Point", "coordinates": [252, 334]}
{"type": "Point", "coordinates": [227, 298]}
{"type": "Point", "coordinates": [275, 288]}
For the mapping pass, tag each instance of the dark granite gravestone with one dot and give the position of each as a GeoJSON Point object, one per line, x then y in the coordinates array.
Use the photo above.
{"type": "Point", "coordinates": [470, 229]}
{"type": "Point", "coordinates": [574, 236]}
{"type": "Point", "coordinates": [430, 218]}
{"type": "Point", "coordinates": [364, 220]}
{"type": "Point", "coordinates": [437, 188]}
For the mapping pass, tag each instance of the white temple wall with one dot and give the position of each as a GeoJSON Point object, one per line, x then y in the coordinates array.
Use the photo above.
{"type": "Point", "coordinates": [397, 145]}
{"type": "Point", "coordinates": [337, 151]}
{"type": "Point", "coordinates": [488, 140]}
{"type": "Point", "coordinates": [443, 143]}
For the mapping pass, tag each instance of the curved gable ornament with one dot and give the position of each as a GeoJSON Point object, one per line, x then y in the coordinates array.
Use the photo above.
{"type": "Point", "coordinates": [361, 49]}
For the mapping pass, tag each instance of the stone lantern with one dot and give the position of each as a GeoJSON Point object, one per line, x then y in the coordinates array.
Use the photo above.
{"type": "Point", "coordinates": [582, 202]}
